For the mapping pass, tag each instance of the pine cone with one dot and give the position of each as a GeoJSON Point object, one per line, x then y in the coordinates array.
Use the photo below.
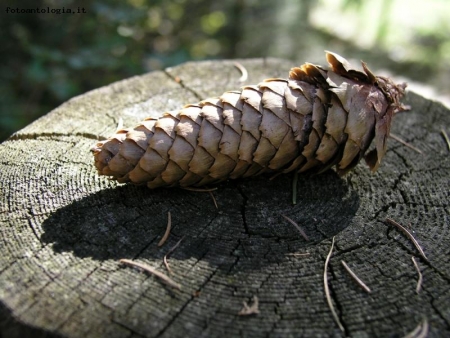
{"type": "Point", "coordinates": [309, 122]}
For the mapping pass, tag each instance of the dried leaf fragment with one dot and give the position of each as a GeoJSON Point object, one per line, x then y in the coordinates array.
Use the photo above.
{"type": "Point", "coordinates": [250, 310]}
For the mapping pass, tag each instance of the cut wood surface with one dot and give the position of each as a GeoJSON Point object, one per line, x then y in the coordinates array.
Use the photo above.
{"type": "Point", "coordinates": [64, 230]}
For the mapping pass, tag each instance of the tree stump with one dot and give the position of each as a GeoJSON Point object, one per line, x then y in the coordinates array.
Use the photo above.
{"type": "Point", "coordinates": [64, 229]}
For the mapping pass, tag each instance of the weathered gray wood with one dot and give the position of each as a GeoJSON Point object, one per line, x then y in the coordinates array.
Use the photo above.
{"type": "Point", "coordinates": [64, 228]}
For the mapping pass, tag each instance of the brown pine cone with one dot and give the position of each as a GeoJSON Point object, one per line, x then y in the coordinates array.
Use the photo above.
{"type": "Point", "coordinates": [309, 122]}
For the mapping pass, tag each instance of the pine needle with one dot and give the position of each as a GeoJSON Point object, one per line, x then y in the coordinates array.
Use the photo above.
{"type": "Point", "coordinates": [250, 310]}
{"type": "Point", "coordinates": [243, 71]}
{"type": "Point", "coordinates": [297, 226]}
{"type": "Point", "coordinates": [205, 190]}
{"type": "Point", "coordinates": [172, 249]}
{"type": "Point", "coordinates": [166, 264]}
{"type": "Point", "coordinates": [408, 234]}
{"type": "Point", "coordinates": [168, 228]}
{"type": "Point", "coordinates": [409, 145]}
{"type": "Point", "coordinates": [421, 330]}
{"type": "Point", "coordinates": [119, 124]}
{"type": "Point", "coordinates": [294, 188]}
{"type": "Point", "coordinates": [356, 278]}
{"type": "Point", "coordinates": [327, 290]}
{"type": "Point", "coordinates": [151, 270]}
{"type": "Point", "coordinates": [199, 189]}
{"type": "Point", "coordinates": [446, 138]}
{"type": "Point", "coordinates": [296, 254]}
{"type": "Point", "coordinates": [419, 281]}
{"type": "Point", "coordinates": [214, 199]}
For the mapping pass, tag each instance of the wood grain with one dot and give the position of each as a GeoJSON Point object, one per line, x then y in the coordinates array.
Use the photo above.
{"type": "Point", "coordinates": [63, 229]}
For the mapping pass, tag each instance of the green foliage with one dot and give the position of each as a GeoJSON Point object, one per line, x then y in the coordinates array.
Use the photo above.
{"type": "Point", "coordinates": [48, 58]}
{"type": "Point", "coordinates": [53, 57]}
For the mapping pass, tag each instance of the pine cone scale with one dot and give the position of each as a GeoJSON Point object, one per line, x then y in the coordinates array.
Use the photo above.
{"type": "Point", "coordinates": [201, 162]}
{"type": "Point", "coordinates": [182, 151]}
{"type": "Point", "coordinates": [264, 152]}
{"type": "Point", "coordinates": [327, 149]}
{"type": "Point", "coordinates": [336, 121]}
{"type": "Point", "coordinates": [229, 144]}
{"type": "Point", "coordinates": [251, 119]}
{"type": "Point", "coordinates": [273, 128]}
{"type": "Point", "coordinates": [276, 104]}
{"type": "Point", "coordinates": [286, 152]}
{"type": "Point", "coordinates": [152, 163]}
{"type": "Point", "coordinates": [232, 117]}
{"type": "Point", "coordinates": [247, 147]}
{"type": "Point", "coordinates": [251, 95]}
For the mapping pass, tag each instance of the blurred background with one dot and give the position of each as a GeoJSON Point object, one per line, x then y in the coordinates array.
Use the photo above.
{"type": "Point", "coordinates": [48, 58]}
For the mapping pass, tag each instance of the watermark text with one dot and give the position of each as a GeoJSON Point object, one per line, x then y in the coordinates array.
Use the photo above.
{"type": "Point", "coordinates": [45, 10]}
